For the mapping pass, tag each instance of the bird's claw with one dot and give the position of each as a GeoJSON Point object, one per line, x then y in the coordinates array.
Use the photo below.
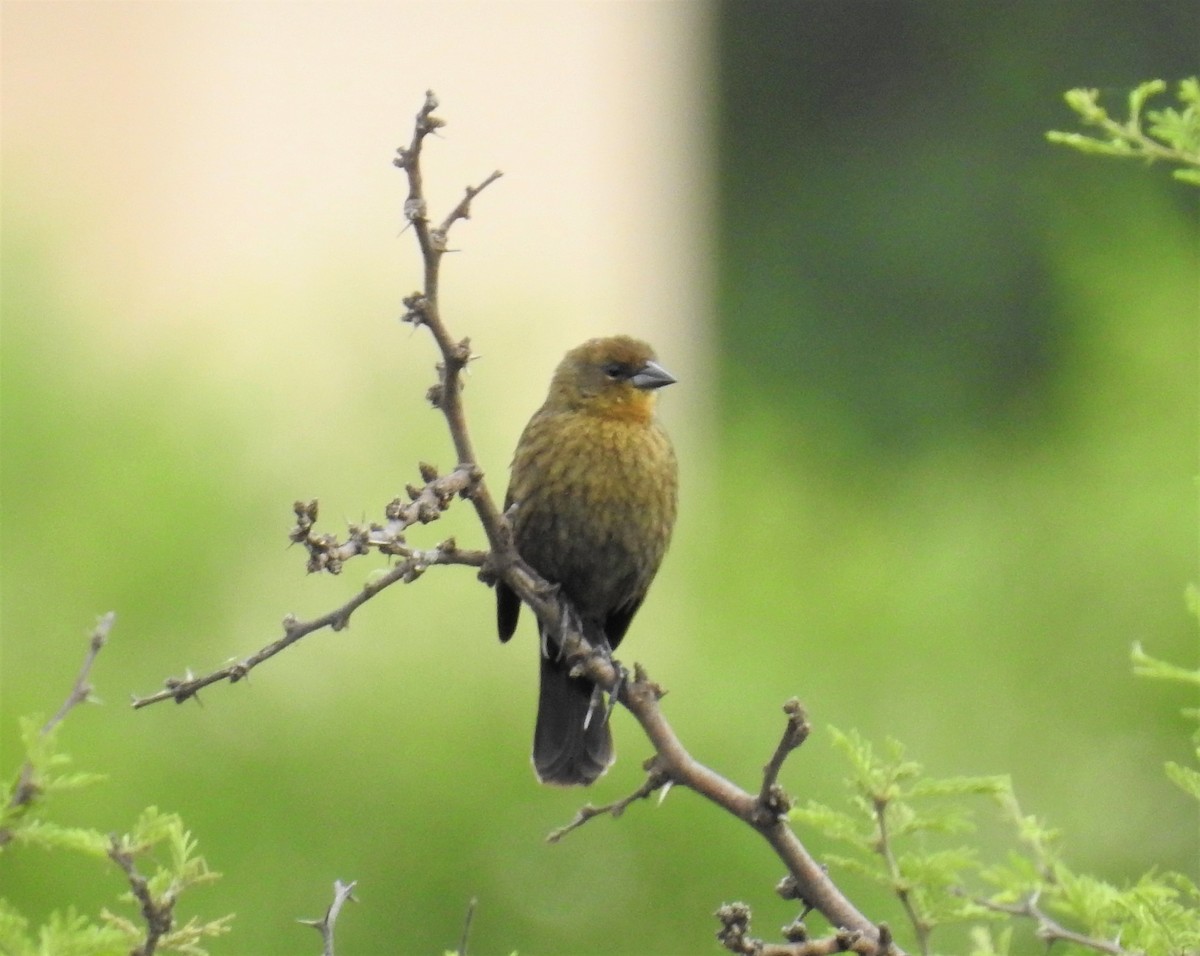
{"type": "Point", "coordinates": [598, 704]}
{"type": "Point", "coordinates": [618, 689]}
{"type": "Point", "coordinates": [568, 623]}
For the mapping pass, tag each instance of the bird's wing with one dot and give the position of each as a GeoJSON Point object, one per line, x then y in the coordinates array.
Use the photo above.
{"type": "Point", "coordinates": [617, 622]}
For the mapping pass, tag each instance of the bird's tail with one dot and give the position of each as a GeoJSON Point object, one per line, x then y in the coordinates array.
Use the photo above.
{"type": "Point", "coordinates": [565, 751]}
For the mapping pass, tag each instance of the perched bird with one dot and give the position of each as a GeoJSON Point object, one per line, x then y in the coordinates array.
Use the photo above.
{"type": "Point", "coordinates": [592, 504]}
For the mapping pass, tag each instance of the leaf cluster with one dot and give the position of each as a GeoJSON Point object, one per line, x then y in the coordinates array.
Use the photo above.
{"type": "Point", "coordinates": [1170, 135]}
{"type": "Point", "coordinates": [899, 827]}
{"type": "Point", "coordinates": [1186, 778]}
{"type": "Point", "coordinates": [157, 841]}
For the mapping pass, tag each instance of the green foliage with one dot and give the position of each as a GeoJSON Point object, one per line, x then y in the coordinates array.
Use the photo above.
{"type": "Point", "coordinates": [1169, 134]}
{"type": "Point", "coordinates": [1158, 915]}
{"type": "Point", "coordinates": [159, 839]}
{"type": "Point", "coordinates": [1186, 778]}
{"type": "Point", "coordinates": [162, 839]}
{"type": "Point", "coordinates": [895, 815]}
{"type": "Point", "coordinates": [41, 775]}
{"type": "Point", "coordinates": [894, 830]}
{"type": "Point", "coordinates": [63, 934]}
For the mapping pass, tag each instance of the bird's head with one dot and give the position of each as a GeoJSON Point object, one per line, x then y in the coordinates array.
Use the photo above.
{"type": "Point", "coordinates": [613, 377]}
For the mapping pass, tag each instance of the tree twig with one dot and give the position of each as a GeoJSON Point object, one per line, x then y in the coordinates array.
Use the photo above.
{"type": "Point", "coordinates": [81, 690]}
{"type": "Point", "coordinates": [328, 554]}
{"type": "Point", "coordinates": [794, 734]}
{"type": "Point", "coordinates": [423, 309]}
{"type": "Point", "coordinates": [27, 787]}
{"type": "Point", "coordinates": [426, 503]}
{"type": "Point", "coordinates": [158, 914]}
{"type": "Point", "coordinates": [466, 931]}
{"type": "Point", "coordinates": [655, 780]}
{"type": "Point", "coordinates": [180, 689]}
{"type": "Point", "coordinates": [814, 885]}
{"type": "Point", "coordinates": [341, 893]}
{"type": "Point", "coordinates": [903, 892]}
{"type": "Point", "coordinates": [1049, 931]}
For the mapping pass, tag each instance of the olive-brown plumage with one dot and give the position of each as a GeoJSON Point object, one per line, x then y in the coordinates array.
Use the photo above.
{"type": "Point", "coordinates": [592, 501]}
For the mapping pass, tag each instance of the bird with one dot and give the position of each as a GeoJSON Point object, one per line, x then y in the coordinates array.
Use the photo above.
{"type": "Point", "coordinates": [592, 500]}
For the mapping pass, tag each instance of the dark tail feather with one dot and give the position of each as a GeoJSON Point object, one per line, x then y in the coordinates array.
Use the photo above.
{"type": "Point", "coordinates": [564, 753]}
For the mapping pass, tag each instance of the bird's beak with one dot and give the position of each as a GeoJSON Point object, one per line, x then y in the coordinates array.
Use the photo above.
{"type": "Point", "coordinates": [651, 376]}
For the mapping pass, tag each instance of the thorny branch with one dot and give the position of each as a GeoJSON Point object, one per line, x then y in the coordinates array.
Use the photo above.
{"type": "Point", "coordinates": [655, 780]}
{"type": "Point", "coordinates": [765, 812]}
{"type": "Point", "coordinates": [27, 786]}
{"type": "Point", "coordinates": [341, 893]}
{"type": "Point", "coordinates": [158, 914]}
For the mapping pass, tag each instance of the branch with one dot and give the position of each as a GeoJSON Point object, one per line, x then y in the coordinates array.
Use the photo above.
{"type": "Point", "coordinates": [157, 914]}
{"type": "Point", "coordinates": [794, 734]}
{"type": "Point", "coordinates": [423, 309]}
{"type": "Point", "coordinates": [180, 689]}
{"type": "Point", "coordinates": [341, 893]}
{"type": "Point", "coordinates": [81, 690]}
{"type": "Point", "coordinates": [766, 812]}
{"type": "Point", "coordinates": [768, 817]}
{"type": "Point", "coordinates": [1049, 931]}
{"type": "Point", "coordinates": [27, 787]}
{"type": "Point", "coordinates": [884, 847]}
{"type": "Point", "coordinates": [466, 931]}
{"type": "Point", "coordinates": [326, 553]}
{"type": "Point", "coordinates": [655, 780]}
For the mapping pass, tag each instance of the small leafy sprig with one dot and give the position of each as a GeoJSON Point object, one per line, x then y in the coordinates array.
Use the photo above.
{"type": "Point", "coordinates": [895, 818]}
{"type": "Point", "coordinates": [899, 826]}
{"type": "Point", "coordinates": [1157, 914]}
{"type": "Point", "coordinates": [1186, 778]}
{"type": "Point", "coordinates": [1168, 135]}
{"type": "Point", "coordinates": [158, 843]}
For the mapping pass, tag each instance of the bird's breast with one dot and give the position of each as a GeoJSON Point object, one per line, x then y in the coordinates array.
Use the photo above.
{"type": "Point", "coordinates": [596, 500]}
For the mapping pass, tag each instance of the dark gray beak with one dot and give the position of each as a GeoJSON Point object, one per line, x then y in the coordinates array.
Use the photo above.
{"type": "Point", "coordinates": [651, 376]}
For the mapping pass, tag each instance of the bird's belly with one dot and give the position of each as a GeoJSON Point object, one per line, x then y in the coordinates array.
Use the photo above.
{"type": "Point", "coordinates": [600, 540]}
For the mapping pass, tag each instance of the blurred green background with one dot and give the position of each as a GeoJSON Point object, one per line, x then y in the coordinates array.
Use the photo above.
{"type": "Point", "coordinates": [937, 419]}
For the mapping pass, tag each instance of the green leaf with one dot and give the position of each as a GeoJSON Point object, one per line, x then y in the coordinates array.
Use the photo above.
{"type": "Point", "coordinates": [1139, 94]}
{"type": "Point", "coordinates": [832, 823]}
{"type": "Point", "coordinates": [1187, 779]}
{"type": "Point", "coordinates": [1167, 134]}
{"type": "Point", "coordinates": [51, 836]}
{"type": "Point", "coordinates": [1146, 666]}
{"type": "Point", "coordinates": [985, 943]}
{"type": "Point", "coordinates": [962, 787]}
{"type": "Point", "coordinates": [73, 934]}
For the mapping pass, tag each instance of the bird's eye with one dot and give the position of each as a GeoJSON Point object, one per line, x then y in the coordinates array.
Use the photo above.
{"type": "Point", "coordinates": [614, 370]}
